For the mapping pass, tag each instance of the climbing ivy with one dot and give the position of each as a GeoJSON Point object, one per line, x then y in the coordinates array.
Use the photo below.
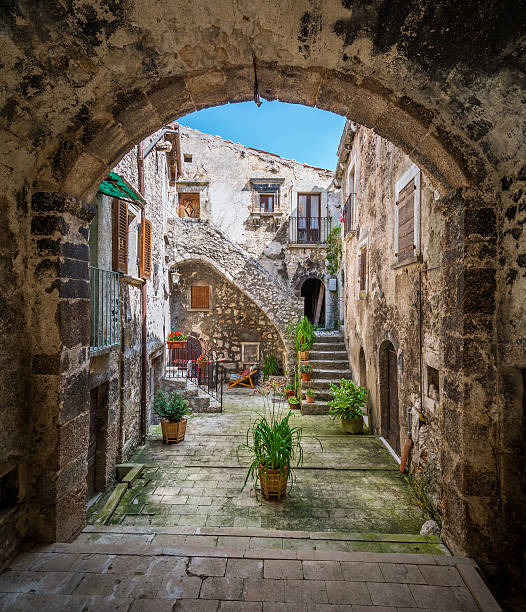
{"type": "Point", "coordinates": [334, 250]}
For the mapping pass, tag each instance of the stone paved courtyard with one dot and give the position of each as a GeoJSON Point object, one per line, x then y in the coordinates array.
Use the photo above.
{"type": "Point", "coordinates": [351, 484]}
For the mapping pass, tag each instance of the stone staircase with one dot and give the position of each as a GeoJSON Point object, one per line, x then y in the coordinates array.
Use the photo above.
{"type": "Point", "coordinates": [328, 357]}
{"type": "Point", "coordinates": [198, 400]}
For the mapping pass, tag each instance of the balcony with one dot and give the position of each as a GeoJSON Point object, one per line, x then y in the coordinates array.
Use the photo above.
{"type": "Point", "coordinates": [309, 230]}
{"type": "Point", "coordinates": [104, 301]}
{"type": "Point", "coordinates": [349, 215]}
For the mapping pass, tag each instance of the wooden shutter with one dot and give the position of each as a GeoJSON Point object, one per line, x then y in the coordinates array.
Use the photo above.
{"type": "Point", "coordinates": [146, 249]}
{"type": "Point", "coordinates": [201, 297]}
{"type": "Point", "coordinates": [120, 236]}
{"type": "Point", "coordinates": [406, 221]}
{"type": "Point", "coordinates": [363, 268]}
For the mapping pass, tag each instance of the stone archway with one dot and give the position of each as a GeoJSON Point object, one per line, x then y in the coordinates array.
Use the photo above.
{"type": "Point", "coordinates": [93, 83]}
{"type": "Point", "coordinates": [313, 292]}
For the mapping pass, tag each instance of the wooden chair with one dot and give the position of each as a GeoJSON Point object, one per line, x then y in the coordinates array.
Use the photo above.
{"type": "Point", "coordinates": [243, 379]}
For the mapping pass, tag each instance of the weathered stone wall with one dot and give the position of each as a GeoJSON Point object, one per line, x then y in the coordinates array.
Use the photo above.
{"type": "Point", "coordinates": [233, 318]}
{"type": "Point", "coordinates": [221, 171]}
{"type": "Point", "coordinates": [390, 309]}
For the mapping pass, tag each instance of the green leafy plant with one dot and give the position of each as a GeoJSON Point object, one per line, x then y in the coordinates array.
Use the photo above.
{"type": "Point", "coordinates": [306, 368]}
{"type": "Point", "coordinates": [334, 250]}
{"type": "Point", "coordinates": [310, 392]}
{"type": "Point", "coordinates": [289, 387]}
{"type": "Point", "coordinates": [273, 444]}
{"type": "Point", "coordinates": [170, 406]}
{"type": "Point", "coordinates": [294, 400]}
{"type": "Point", "coordinates": [348, 399]}
{"type": "Point", "coordinates": [271, 366]}
{"type": "Point", "coordinates": [303, 332]}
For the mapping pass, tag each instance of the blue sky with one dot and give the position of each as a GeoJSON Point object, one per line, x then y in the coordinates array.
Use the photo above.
{"type": "Point", "coordinates": [306, 134]}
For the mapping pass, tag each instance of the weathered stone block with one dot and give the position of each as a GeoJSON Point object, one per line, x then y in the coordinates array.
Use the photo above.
{"type": "Point", "coordinates": [74, 396]}
{"type": "Point", "coordinates": [74, 317]}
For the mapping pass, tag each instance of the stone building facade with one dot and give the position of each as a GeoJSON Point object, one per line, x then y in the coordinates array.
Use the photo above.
{"type": "Point", "coordinates": [279, 211]}
{"type": "Point", "coordinates": [118, 420]}
{"type": "Point", "coordinates": [392, 277]}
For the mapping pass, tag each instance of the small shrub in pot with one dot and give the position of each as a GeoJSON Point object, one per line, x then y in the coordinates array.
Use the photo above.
{"type": "Point", "coordinates": [171, 408]}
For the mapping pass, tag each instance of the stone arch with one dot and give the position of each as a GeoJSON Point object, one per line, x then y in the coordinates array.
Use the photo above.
{"type": "Point", "coordinates": [312, 289]}
{"type": "Point", "coordinates": [445, 97]}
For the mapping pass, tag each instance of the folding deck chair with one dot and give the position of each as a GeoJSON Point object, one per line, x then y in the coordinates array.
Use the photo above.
{"type": "Point", "coordinates": [243, 379]}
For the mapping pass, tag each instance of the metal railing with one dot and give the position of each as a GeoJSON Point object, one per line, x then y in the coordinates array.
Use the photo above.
{"type": "Point", "coordinates": [309, 230]}
{"type": "Point", "coordinates": [349, 222]}
{"type": "Point", "coordinates": [104, 302]}
{"type": "Point", "coordinates": [210, 376]}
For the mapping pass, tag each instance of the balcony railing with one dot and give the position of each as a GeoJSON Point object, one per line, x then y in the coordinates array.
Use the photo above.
{"type": "Point", "coordinates": [181, 362]}
{"type": "Point", "coordinates": [349, 213]}
{"type": "Point", "coordinates": [309, 230]}
{"type": "Point", "coordinates": [104, 299]}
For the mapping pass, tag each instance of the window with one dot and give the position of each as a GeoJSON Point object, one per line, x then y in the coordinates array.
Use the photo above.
{"type": "Point", "coordinates": [189, 205]}
{"type": "Point", "coordinates": [250, 352]}
{"type": "Point", "coordinates": [407, 216]}
{"type": "Point", "coordinates": [132, 240]}
{"type": "Point", "coordinates": [200, 297]}
{"type": "Point", "coordinates": [266, 202]}
{"type": "Point", "coordinates": [187, 158]}
{"type": "Point", "coordinates": [433, 383]}
{"type": "Point", "coordinates": [362, 272]}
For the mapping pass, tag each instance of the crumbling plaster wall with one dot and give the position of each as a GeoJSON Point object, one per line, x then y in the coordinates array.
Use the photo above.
{"type": "Point", "coordinates": [233, 318]}
{"type": "Point", "coordinates": [228, 199]}
{"type": "Point", "coordinates": [390, 311]}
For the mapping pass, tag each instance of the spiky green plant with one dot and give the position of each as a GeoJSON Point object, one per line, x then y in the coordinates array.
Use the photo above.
{"type": "Point", "coordinates": [170, 406]}
{"type": "Point", "coordinates": [303, 332]}
{"type": "Point", "coordinates": [271, 366]}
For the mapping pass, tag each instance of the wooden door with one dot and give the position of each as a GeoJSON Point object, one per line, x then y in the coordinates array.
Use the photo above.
{"type": "Point", "coordinates": [92, 446]}
{"type": "Point", "coordinates": [189, 205]}
{"type": "Point", "coordinates": [393, 436]}
{"type": "Point", "coordinates": [309, 221]}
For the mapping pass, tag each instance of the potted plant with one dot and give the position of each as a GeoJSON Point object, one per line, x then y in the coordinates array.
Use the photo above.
{"type": "Point", "coordinates": [309, 396]}
{"type": "Point", "coordinates": [202, 361]}
{"type": "Point", "coordinates": [176, 340]}
{"type": "Point", "coordinates": [303, 332]}
{"type": "Point", "coordinates": [289, 391]}
{"type": "Point", "coordinates": [294, 402]}
{"type": "Point", "coordinates": [275, 449]}
{"type": "Point", "coordinates": [271, 366]}
{"type": "Point", "coordinates": [347, 402]}
{"type": "Point", "coordinates": [306, 372]}
{"type": "Point", "coordinates": [171, 407]}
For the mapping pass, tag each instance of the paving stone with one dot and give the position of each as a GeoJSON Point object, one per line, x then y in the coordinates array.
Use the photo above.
{"type": "Point", "coordinates": [435, 597]}
{"type": "Point", "coordinates": [441, 575]}
{"type": "Point", "coordinates": [390, 594]}
{"type": "Point", "coordinates": [281, 569]}
{"type": "Point", "coordinates": [196, 605]}
{"type": "Point", "coordinates": [152, 605]}
{"type": "Point", "coordinates": [403, 573]}
{"type": "Point", "coordinates": [39, 582]}
{"type": "Point", "coordinates": [222, 588]}
{"type": "Point", "coordinates": [266, 543]}
{"type": "Point", "coordinates": [264, 590]}
{"type": "Point", "coordinates": [305, 591]}
{"type": "Point", "coordinates": [284, 607]}
{"type": "Point", "coordinates": [322, 570]}
{"type": "Point", "coordinates": [240, 606]}
{"type": "Point", "coordinates": [164, 565]}
{"type": "Point", "coordinates": [233, 542]}
{"type": "Point", "coordinates": [356, 571]}
{"type": "Point", "coordinates": [98, 584]}
{"type": "Point", "coordinates": [244, 568]}
{"type": "Point", "coordinates": [177, 587]}
{"type": "Point", "coordinates": [91, 563]}
{"type": "Point", "coordinates": [341, 592]}
{"type": "Point", "coordinates": [207, 566]}
{"type": "Point", "coordinates": [59, 562]}
{"type": "Point", "coordinates": [200, 540]}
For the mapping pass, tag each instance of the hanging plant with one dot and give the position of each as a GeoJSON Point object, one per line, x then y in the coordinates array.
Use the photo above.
{"type": "Point", "coordinates": [334, 250]}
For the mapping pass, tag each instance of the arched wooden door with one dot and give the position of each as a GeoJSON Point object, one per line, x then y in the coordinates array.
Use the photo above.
{"type": "Point", "coordinates": [193, 348]}
{"type": "Point", "coordinates": [393, 435]}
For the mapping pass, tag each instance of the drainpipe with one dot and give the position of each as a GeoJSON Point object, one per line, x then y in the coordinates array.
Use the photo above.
{"type": "Point", "coordinates": [144, 352]}
{"type": "Point", "coordinates": [178, 151]}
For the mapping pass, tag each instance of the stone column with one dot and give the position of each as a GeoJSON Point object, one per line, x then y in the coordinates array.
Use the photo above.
{"type": "Point", "coordinates": [468, 379]}
{"type": "Point", "coordinates": [60, 322]}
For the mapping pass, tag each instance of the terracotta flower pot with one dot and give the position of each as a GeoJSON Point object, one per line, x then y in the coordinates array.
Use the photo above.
{"type": "Point", "coordinates": [306, 377]}
{"type": "Point", "coordinates": [353, 426]}
{"type": "Point", "coordinates": [173, 432]}
{"type": "Point", "coordinates": [289, 394]}
{"type": "Point", "coordinates": [177, 344]}
{"type": "Point", "coordinates": [273, 482]}
{"type": "Point", "coordinates": [295, 406]}
{"type": "Point", "coordinates": [309, 399]}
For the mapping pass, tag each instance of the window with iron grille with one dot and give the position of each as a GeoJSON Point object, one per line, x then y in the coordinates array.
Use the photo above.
{"type": "Point", "coordinates": [200, 297]}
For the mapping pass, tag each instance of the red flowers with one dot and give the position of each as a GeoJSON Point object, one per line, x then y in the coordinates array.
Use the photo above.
{"type": "Point", "coordinates": [202, 357]}
{"type": "Point", "coordinates": [176, 336]}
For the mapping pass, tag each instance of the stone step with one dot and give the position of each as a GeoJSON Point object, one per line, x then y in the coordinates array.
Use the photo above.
{"type": "Point", "coordinates": [329, 364]}
{"type": "Point", "coordinates": [323, 355]}
{"type": "Point", "coordinates": [332, 375]}
{"type": "Point", "coordinates": [314, 408]}
{"type": "Point", "coordinates": [328, 339]}
{"type": "Point", "coordinates": [321, 384]}
{"type": "Point", "coordinates": [322, 394]}
{"type": "Point", "coordinates": [333, 346]}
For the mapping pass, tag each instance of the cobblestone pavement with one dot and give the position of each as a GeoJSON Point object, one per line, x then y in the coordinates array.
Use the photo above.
{"type": "Point", "coordinates": [351, 484]}
{"type": "Point", "coordinates": [133, 575]}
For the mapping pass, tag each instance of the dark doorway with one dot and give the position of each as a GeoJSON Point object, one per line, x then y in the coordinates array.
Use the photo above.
{"type": "Point", "coordinates": [389, 395]}
{"type": "Point", "coordinates": [313, 290]}
{"type": "Point", "coordinates": [92, 446]}
{"type": "Point", "coordinates": [393, 436]}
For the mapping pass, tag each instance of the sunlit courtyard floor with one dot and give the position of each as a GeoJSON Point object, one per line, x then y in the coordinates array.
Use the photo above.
{"type": "Point", "coordinates": [347, 483]}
